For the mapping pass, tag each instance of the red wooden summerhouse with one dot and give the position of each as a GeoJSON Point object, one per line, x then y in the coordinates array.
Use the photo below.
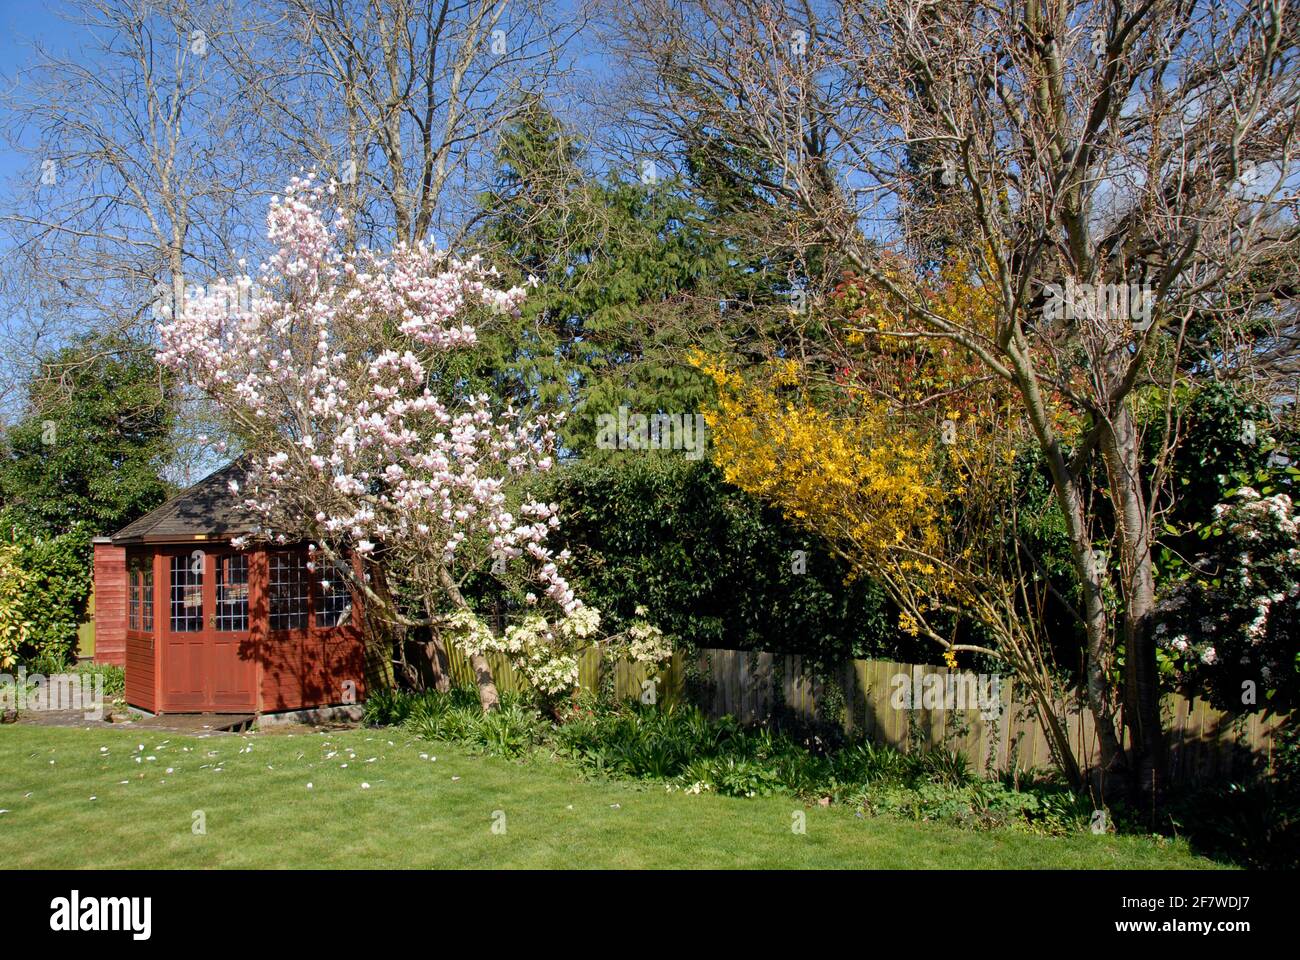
{"type": "Point", "coordinates": [204, 627]}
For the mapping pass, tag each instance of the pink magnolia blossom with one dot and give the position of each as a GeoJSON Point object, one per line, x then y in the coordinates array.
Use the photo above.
{"type": "Point", "coordinates": [327, 365]}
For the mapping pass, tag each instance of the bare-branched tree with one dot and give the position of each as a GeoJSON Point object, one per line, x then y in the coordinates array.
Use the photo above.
{"type": "Point", "coordinates": [136, 176]}
{"type": "Point", "coordinates": [399, 101]}
{"type": "Point", "coordinates": [1121, 173]}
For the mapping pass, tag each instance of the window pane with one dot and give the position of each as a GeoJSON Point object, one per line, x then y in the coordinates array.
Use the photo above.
{"type": "Point", "coordinates": [333, 598]}
{"type": "Point", "coordinates": [232, 592]}
{"type": "Point", "coordinates": [146, 596]}
{"type": "Point", "coordinates": [187, 594]}
{"type": "Point", "coordinates": [288, 591]}
{"type": "Point", "coordinates": [133, 603]}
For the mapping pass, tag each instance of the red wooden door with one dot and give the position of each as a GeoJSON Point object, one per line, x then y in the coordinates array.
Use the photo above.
{"type": "Point", "coordinates": [183, 638]}
{"type": "Point", "coordinates": [231, 674]}
{"type": "Point", "coordinates": [206, 665]}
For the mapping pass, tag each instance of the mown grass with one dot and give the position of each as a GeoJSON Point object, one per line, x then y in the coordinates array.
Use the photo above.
{"type": "Point", "coordinates": [253, 796]}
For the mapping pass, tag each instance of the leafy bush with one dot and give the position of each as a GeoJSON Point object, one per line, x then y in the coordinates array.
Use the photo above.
{"type": "Point", "coordinates": [733, 777]}
{"type": "Point", "coordinates": [512, 730]}
{"type": "Point", "coordinates": [14, 625]}
{"type": "Point", "coordinates": [1228, 625]}
{"type": "Point", "coordinates": [711, 564]}
{"type": "Point", "coordinates": [1227, 437]}
{"type": "Point", "coordinates": [1253, 824]}
{"type": "Point", "coordinates": [681, 745]}
{"type": "Point", "coordinates": [386, 707]}
{"type": "Point", "coordinates": [44, 586]}
{"type": "Point", "coordinates": [114, 677]}
{"type": "Point", "coordinates": [94, 435]}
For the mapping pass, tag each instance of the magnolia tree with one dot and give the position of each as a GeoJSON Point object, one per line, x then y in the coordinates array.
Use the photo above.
{"type": "Point", "coordinates": [333, 369]}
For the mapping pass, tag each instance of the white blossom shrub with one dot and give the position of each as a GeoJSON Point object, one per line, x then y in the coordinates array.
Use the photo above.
{"type": "Point", "coordinates": [1230, 627]}
{"type": "Point", "coordinates": [545, 652]}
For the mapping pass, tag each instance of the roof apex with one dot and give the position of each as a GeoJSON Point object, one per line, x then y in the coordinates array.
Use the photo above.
{"type": "Point", "coordinates": [207, 510]}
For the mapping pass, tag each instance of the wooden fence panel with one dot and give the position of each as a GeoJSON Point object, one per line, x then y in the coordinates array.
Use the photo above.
{"type": "Point", "coordinates": [753, 686]}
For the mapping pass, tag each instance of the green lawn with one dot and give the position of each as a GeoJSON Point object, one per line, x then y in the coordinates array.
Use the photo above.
{"type": "Point", "coordinates": [71, 803]}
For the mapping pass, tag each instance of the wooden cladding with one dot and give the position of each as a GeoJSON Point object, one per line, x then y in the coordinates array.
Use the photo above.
{"type": "Point", "coordinates": [110, 603]}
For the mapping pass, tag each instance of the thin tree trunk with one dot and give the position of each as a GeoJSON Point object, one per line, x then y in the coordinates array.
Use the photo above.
{"type": "Point", "coordinates": [383, 635]}
{"type": "Point", "coordinates": [487, 688]}
{"type": "Point", "coordinates": [488, 697]}
{"type": "Point", "coordinates": [435, 650]}
{"type": "Point", "coordinates": [439, 663]}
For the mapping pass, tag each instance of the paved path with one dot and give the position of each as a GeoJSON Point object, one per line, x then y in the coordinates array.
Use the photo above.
{"type": "Point", "coordinates": [191, 723]}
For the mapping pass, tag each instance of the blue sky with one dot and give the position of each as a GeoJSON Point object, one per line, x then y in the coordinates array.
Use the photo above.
{"type": "Point", "coordinates": [21, 22]}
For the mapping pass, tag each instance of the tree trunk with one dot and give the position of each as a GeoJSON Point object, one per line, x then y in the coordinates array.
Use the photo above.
{"type": "Point", "coordinates": [487, 688]}
{"type": "Point", "coordinates": [488, 697]}
{"type": "Point", "coordinates": [435, 667]}
{"type": "Point", "coordinates": [1141, 680]}
{"type": "Point", "coordinates": [1091, 579]}
{"type": "Point", "coordinates": [439, 665]}
{"type": "Point", "coordinates": [384, 636]}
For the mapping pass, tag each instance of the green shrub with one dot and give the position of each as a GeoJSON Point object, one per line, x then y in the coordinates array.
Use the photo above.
{"type": "Point", "coordinates": [734, 777]}
{"type": "Point", "coordinates": [114, 678]}
{"type": "Point", "coordinates": [979, 804]}
{"type": "Point", "coordinates": [644, 742]}
{"type": "Point", "coordinates": [383, 708]}
{"type": "Point", "coordinates": [47, 582]}
{"type": "Point", "coordinates": [713, 566]}
{"type": "Point", "coordinates": [1254, 822]}
{"type": "Point", "coordinates": [682, 745]}
{"type": "Point", "coordinates": [96, 429]}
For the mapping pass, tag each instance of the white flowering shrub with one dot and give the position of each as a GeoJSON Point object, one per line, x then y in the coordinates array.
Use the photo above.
{"type": "Point", "coordinates": [641, 642]}
{"type": "Point", "coordinates": [545, 652]}
{"type": "Point", "coordinates": [1230, 627]}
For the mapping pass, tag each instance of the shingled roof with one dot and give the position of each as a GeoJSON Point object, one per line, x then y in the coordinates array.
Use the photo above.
{"type": "Point", "coordinates": [206, 511]}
